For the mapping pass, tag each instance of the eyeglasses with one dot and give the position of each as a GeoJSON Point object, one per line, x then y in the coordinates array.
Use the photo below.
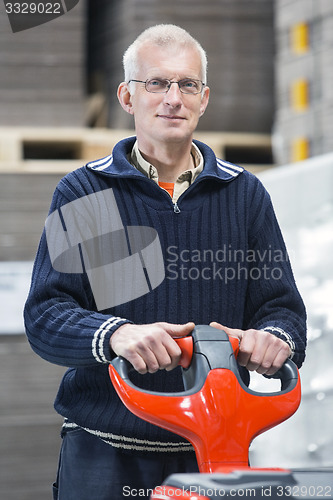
{"type": "Point", "coordinates": [162, 86]}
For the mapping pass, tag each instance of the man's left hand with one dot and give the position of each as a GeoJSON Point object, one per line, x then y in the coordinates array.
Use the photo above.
{"type": "Point", "coordinates": [259, 350]}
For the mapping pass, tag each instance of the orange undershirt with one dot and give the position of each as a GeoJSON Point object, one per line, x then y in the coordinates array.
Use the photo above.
{"type": "Point", "coordinates": [168, 187]}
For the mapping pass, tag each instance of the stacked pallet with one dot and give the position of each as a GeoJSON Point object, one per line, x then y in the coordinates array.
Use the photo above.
{"type": "Point", "coordinates": [304, 91]}
{"type": "Point", "coordinates": [43, 71]}
{"type": "Point", "coordinates": [237, 35]}
{"type": "Point", "coordinates": [60, 150]}
{"type": "Point", "coordinates": [24, 204]}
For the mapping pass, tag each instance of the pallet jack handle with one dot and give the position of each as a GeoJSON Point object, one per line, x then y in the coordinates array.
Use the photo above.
{"type": "Point", "coordinates": [216, 412]}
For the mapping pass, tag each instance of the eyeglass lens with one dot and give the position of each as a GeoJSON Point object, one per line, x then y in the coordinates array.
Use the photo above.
{"type": "Point", "coordinates": [187, 86]}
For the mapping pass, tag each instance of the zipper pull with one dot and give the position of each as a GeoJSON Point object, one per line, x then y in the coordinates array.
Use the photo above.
{"type": "Point", "coordinates": [176, 208]}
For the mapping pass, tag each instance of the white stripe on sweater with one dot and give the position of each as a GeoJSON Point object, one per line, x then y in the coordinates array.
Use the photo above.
{"type": "Point", "coordinates": [99, 336]}
{"type": "Point", "coordinates": [128, 443]}
{"type": "Point", "coordinates": [102, 163]}
{"type": "Point", "coordinates": [233, 170]}
{"type": "Point", "coordinates": [230, 165]}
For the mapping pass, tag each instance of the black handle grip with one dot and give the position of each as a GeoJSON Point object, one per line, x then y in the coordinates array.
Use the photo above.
{"type": "Point", "coordinates": [288, 374]}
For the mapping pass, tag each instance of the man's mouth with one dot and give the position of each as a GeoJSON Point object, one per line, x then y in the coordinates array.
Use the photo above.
{"type": "Point", "coordinates": [171, 117]}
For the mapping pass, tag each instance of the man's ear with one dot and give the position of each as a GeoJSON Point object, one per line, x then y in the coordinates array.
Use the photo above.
{"type": "Point", "coordinates": [204, 101]}
{"type": "Point", "coordinates": [125, 98]}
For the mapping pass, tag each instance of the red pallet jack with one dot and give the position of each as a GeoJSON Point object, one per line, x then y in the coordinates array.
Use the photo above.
{"type": "Point", "coordinates": [221, 416]}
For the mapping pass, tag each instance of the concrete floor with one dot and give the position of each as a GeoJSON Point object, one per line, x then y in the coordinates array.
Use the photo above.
{"type": "Point", "coordinates": [29, 426]}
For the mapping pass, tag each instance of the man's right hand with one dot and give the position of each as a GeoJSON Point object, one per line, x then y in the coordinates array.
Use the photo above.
{"type": "Point", "coordinates": [150, 348]}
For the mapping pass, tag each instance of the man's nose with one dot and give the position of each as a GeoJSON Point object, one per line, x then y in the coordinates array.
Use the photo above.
{"type": "Point", "coordinates": [173, 96]}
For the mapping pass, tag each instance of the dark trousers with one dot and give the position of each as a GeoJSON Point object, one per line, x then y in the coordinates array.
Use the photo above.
{"type": "Point", "coordinates": [90, 469]}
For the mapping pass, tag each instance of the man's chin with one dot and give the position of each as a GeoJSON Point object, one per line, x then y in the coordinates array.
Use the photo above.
{"type": "Point", "coordinates": [176, 136]}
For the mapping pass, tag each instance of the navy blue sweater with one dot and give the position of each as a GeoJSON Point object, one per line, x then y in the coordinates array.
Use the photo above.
{"type": "Point", "coordinates": [225, 260]}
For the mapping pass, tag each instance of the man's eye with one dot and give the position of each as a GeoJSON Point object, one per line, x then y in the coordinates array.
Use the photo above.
{"type": "Point", "coordinates": [157, 83]}
{"type": "Point", "coordinates": [189, 84]}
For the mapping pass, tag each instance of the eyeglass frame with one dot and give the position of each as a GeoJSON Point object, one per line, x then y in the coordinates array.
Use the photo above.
{"type": "Point", "coordinates": [169, 85]}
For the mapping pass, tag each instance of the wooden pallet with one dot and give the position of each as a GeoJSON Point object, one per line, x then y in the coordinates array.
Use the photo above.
{"type": "Point", "coordinates": [46, 150]}
{"type": "Point", "coordinates": [49, 150]}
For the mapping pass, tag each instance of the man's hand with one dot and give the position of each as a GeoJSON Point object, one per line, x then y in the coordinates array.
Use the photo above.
{"type": "Point", "coordinates": [150, 347]}
{"type": "Point", "coordinates": [259, 351]}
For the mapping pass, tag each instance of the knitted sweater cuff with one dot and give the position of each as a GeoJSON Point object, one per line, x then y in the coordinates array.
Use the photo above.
{"type": "Point", "coordinates": [101, 340]}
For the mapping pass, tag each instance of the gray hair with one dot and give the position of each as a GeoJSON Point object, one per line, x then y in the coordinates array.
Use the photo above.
{"type": "Point", "coordinates": [161, 35]}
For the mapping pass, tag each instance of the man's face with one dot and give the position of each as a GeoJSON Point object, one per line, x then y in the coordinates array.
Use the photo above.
{"type": "Point", "coordinates": [168, 117]}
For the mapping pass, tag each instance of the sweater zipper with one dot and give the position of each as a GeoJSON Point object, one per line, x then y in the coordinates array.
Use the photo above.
{"type": "Point", "coordinates": [176, 208]}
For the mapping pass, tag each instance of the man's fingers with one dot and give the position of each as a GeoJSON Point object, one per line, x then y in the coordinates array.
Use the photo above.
{"type": "Point", "coordinates": [232, 332]}
{"type": "Point", "coordinates": [219, 326]}
{"type": "Point", "coordinates": [167, 352]}
{"type": "Point", "coordinates": [262, 352]}
{"type": "Point", "coordinates": [247, 356]}
{"type": "Point", "coordinates": [137, 362]}
{"type": "Point", "coordinates": [275, 359]}
{"type": "Point", "coordinates": [158, 352]}
{"type": "Point", "coordinates": [150, 347]}
{"type": "Point", "coordinates": [258, 350]}
{"type": "Point", "coordinates": [179, 330]}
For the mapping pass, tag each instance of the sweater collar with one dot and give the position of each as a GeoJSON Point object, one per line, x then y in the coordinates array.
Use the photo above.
{"type": "Point", "coordinates": [151, 172]}
{"type": "Point", "coordinates": [118, 163]}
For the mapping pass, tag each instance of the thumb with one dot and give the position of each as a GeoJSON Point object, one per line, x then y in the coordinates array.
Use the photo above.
{"type": "Point", "coordinates": [231, 332]}
{"type": "Point", "coordinates": [181, 330]}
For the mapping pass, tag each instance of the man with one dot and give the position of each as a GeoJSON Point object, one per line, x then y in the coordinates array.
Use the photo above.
{"type": "Point", "coordinates": [223, 263]}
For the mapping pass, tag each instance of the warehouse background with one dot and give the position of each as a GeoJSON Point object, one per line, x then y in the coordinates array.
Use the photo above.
{"type": "Point", "coordinates": [47, 79]}
{"type": "Point", "coordinates": [271, 104]}
{"type": "Point", "coordinates": [303, 79]}
{"type": "Point", "coordinates": [58, 95]}
{"type": "Point", "coordinates": [269, 70]}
